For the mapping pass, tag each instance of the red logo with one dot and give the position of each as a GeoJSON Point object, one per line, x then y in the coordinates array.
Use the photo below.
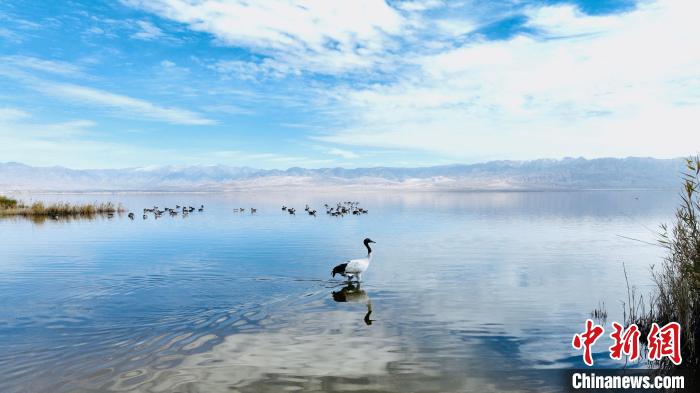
{"type": "Point", "coordinates": [662, 341]}
{"type": "Point", "coordinates": [626, 342]}
{"type": "Point", "coordinates": [665, 342]}
{"type": "Point", "coordinates": [586, 340]}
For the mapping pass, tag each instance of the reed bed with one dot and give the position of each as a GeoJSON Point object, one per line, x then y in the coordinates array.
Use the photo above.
{"type": "Point", "coordinates": [11, 207]}
{"type": "Point", "coordinates": [7, 203]}
{"type": "Point", "coordinates": [676, 293]}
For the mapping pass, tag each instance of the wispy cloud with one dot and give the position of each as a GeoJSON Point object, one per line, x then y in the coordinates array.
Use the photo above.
{"type": "Point", "coordinates": [42, 65]}
{"type": "Point", "coordinates": [71, 143]}
{"type": "Point", "coordinates": [227, 109]}
{"type": "Point", "coordinates": [342, 153]}
{"type": "Point", "coordinates": [371, 81]}
{"type": "Point", "coordinates": [11, 114]}
{"type": "Point", "coordinates": [17, 68]}
{"type": "Point", "coordinates": [623, 84]}
{"type": "Point", "coordinates": [317, 35]}
{"type": "Point", "coordinates": [80, 143]}
{"type": "Point", "coordinates": [9, 35]}
{"type": "Point", "coordinates": [147, 31]}
{"type": "Point", "coordinates": [125, 105]}
{"type": "Point", "coordinates": [252, 70]}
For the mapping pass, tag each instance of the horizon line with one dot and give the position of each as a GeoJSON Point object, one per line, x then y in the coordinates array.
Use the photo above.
{"type": "Point", "coordinates": [347, 168]}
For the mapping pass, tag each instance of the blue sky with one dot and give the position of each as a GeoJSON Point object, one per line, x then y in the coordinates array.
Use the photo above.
{"type": "Point", "coordinates": [275, 84]}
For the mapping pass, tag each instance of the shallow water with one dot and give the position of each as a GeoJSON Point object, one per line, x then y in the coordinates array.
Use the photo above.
{"type": "Point", "coordinates": [468, 292]}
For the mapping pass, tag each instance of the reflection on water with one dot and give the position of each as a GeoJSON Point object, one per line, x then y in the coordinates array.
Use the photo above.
{"type": "Point", "coordinates": [468, 292]}
{"type": "Point", "coordinates": [354, 294]}
{"type": "Point", "coordinates": [41, 219]}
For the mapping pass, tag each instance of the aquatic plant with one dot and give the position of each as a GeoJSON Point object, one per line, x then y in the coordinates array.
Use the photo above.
{"type": "Point", "coordinates": [676, 293]}
{"type": "Point", "coordinates": [600, 313]}
{"type": "Point", "coordinates": [59, 209]}
{"type": "Point", "coordinates": [7, 203]}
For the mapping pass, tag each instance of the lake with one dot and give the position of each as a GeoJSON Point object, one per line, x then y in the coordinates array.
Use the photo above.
{"type": "Point", "coordinates": [467, 291]}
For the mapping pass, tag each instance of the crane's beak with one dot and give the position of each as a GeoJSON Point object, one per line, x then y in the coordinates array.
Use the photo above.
{"type": "Point", "coordinates": [372, 241]}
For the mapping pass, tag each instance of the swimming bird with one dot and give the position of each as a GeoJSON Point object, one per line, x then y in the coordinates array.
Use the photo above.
{"type": "Point", "coordinates": [131, 216]}
{"type": "Point", "coordinates": [355, 267]}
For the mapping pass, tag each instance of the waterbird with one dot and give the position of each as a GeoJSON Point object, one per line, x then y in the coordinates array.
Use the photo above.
{"type": "Point", "coordinates": [131, 216]}
{"type": "Point", "coordinates": [354, 268]}
{"type": "Point", "coordinates": [253, 210]}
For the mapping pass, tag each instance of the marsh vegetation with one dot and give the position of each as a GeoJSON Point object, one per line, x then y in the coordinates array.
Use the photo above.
{"type": "Point", "coordinates": [676, 293]}
{"type": "Point", "coordinates": [13, 207]}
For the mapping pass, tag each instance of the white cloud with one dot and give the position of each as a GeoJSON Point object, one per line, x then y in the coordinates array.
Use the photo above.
{"type": "Point", "coordinates": [124, 104]}
{"type": "Point", "coordinates": [347, 154]}
{"type": "Point", "coordinates": [17, 66]}
{"type": "Point", "coordinates": [79, 144]}
{"type": "Point", "coordinates": [419, 5]}
{"type": "Point", "coordinates": [319, 35]}
{"type": "Point", "coordinates": [625, 84]}
{"type": "Point", "coordinates": [147, 31]}
{"type": "Point", "coordinates": [11, 114]}
{"type": "Point", "coordinates": [48, 66]}
{"type": "Point", "coordinates": [10, 35]}
{"type": "Point", "coordinates": [227, 109]}
{"type": "Point", "coordinates": [71, 145]}
{"type": "Point", "coordinates": [248, 70]}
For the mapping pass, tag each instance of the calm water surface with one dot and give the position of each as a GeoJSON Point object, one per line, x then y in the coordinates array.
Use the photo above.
{"type": "Point", "coordinates": [468, 292]}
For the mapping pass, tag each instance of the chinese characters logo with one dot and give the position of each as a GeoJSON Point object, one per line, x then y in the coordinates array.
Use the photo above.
{"type": "Point", "coordinates": [662, 341]}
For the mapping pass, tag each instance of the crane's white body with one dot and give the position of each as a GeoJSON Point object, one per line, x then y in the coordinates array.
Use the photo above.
{"type": "Point", "coordinates": [354, 268]}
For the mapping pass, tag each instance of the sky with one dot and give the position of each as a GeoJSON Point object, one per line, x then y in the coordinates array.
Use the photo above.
{"type": "Point", "coordinates": [356, 83]}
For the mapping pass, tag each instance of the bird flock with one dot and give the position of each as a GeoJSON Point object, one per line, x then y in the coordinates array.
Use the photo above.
{"type": "Point", "coordinates": [242, 210]}
{"type": "Point", "coordinates": [172, 212]}
{"type": "Point", "coordinates": [340, 209]}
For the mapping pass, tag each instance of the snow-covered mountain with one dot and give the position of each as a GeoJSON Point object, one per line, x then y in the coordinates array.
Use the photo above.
{"type": "Point", "coordinates": [544, 174]}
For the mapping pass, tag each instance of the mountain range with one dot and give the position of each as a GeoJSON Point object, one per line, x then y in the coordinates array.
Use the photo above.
{"type": "Point", "coordinates": [541, 174]}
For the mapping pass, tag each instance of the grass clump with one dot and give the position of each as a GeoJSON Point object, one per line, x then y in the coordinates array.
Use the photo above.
{"type": "Point", "coordinates": [57, 210]}
{"type": "Point", "coordinates": [676, 294]}
{"type": "Point", "coordinates": [7, 203]}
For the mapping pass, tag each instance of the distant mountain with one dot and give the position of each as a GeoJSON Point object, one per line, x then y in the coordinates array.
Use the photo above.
{"type": "Point", "coordinates": [544, 174]}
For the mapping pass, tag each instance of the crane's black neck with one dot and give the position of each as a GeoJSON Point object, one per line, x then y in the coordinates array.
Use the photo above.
{"type": "Point", "coordinates": [369, 250]}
